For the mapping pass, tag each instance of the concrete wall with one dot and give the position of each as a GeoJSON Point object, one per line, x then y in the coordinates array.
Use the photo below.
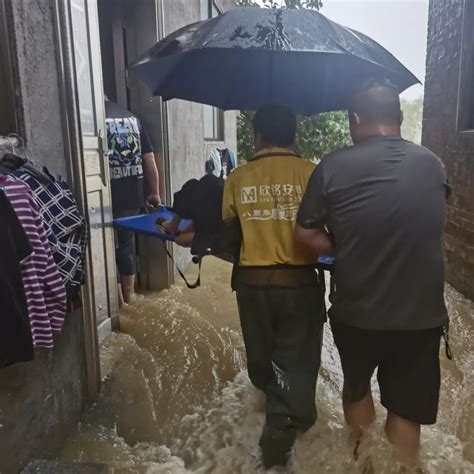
{"type": "Point", "coordinates": [188, 150]}
{"type": "Point", "coordinates": [37, 86]}
{"type": "Point", "coordinates": [40, 401]}
{"type": "Point", "coordinates": [440, 134]}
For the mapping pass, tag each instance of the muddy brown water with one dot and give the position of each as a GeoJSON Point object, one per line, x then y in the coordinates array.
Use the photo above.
{"type": "Point", "coordinates": [176, 399]}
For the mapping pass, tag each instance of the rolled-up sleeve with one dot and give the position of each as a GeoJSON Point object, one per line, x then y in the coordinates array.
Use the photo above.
{"type": "Point", "coordinates": [229, 210]}
{"type": "Point", "coordinates": [313, 210]}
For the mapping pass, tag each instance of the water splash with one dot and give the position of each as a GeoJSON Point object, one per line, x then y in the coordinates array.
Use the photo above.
{"type": "Point", "coordinates": [175, 399]}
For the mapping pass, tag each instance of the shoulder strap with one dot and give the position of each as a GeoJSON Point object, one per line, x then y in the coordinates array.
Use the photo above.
{"type": "Point", "coordinates": [191, 286]}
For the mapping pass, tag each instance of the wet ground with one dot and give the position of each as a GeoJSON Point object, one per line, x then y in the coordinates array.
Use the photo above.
{"type": "Point", "coordinates": [176, 398]}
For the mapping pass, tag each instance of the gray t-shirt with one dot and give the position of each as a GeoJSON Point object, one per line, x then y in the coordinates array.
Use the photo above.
{"type": "Point", "coordinates": [384, 202]}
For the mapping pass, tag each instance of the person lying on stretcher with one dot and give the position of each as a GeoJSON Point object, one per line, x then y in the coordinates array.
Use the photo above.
{"type": "Point", "coordinates": [183, 237]}
{"type": "Point", "coordinates": [200, 201]}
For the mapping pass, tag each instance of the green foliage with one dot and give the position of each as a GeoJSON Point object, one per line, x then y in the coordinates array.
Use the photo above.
{"type": "Point", "coordinates": [245, 148]}
{"type": "Point", "coordinates": [322, 134]}
{"type": "Point", "coordinates": [317, 136]}
{"type": "Point", "coordinates": [413, 119]}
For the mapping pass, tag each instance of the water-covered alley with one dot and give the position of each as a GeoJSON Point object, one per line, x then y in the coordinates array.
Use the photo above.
{"type": "Point", "coordinates": [176, 399]}
{"type": "Point", "coordinates": [137, 136]}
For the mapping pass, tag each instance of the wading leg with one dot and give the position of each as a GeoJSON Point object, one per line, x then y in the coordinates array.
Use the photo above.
{"type": "Point", "coordinates": [359, 415]}
{"type": "Point", "coordinates": [405, 436]}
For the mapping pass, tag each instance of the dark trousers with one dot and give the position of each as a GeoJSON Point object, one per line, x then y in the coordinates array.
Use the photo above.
{"type": "Point", "coordinates": [283, 329]}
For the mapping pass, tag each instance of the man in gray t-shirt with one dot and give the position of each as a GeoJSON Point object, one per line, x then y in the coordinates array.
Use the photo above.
{"type": "Point", "coordinates": [379, 207]}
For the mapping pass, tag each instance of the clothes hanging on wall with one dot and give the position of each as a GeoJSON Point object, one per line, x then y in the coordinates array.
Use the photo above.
{"type": "Point", "coordinates": [44, 288]}
{"type": "Point", "coordinates": [10, 163]}
{"type": "Point", "coordinates": [16, 344]}
{"type": "Point", "coordinates": [221, 162]}
{"type": "Point", "coordinates": [65, 226]}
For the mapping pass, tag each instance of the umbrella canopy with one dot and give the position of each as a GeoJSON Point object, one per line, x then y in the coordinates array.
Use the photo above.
{"type": "Point", "coordinates": [251, 56]}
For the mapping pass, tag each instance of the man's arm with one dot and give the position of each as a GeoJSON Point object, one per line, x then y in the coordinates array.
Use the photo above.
{"type": "Point", "coordinates": [310, 231]}
{"type": "Point", "coordinates": [317, 241]}
{"type": "Point", "coordinates": [152, 181]}
{"type": "Point", "coordinates": [150, 171]}
{"type": "Point", "coordinates": [229, 212]}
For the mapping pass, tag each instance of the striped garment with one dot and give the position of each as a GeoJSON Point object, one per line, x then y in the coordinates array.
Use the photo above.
{"type": "Point", "coordinates": [45, 291]}
{"type": "Point", "coordinates": [65, 226]}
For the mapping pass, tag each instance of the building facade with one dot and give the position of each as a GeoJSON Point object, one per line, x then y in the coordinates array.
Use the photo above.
{"type": "Point", "coordinates": [448, 127]}
{"type": "Point", "coordinates": [56, 57]}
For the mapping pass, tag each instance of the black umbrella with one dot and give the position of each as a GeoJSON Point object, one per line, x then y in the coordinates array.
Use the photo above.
{"type": "Point", "coordinates": [252, 56]}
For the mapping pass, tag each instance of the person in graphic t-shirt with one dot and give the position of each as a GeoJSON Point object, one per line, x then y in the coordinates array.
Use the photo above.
{"type": "Point", "coordinates": [134, 181]}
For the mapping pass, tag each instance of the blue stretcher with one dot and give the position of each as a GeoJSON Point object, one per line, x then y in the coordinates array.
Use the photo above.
{"type": "Point", "coordinates": [146, 224]}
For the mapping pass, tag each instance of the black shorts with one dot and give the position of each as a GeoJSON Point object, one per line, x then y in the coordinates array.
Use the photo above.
{"type": "Point", "coordinates": [125, 247]}
{"type": "Point", "coordinates": [408, 368]}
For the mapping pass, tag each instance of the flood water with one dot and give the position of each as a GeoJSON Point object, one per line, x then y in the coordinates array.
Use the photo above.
{"type": "Point", "coordinates": [176, 399]}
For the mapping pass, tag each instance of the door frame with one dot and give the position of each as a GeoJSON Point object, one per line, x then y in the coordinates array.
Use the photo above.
{"type": "Point", "coordinates": [155, 270]}
{"type": "Point", "coordinates": [74, 149]}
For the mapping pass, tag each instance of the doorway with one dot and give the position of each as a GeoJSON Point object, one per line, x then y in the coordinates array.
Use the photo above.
{"type": "Point", "coordinates": [127, 30]}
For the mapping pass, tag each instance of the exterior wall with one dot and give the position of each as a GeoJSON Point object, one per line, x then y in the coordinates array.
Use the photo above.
{"type": "Point", "coordinates": [440, 134]}
{"type": "Point", "coordinates": [38, 85]}
{"type": "Point", "coordinates": [40, 401]}
{"type": "Point", "coordinates": [188, 150]}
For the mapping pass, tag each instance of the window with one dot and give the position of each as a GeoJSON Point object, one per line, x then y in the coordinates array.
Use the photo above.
{"type": "Point", "coordinates": [7, 102]}
{"type": "Point", "coordinates": [213, 117]}
{"type": "Point", "coordinates": [466, 90]}
{"type": "Point", "coordinates": [210, 9]}
{"type": "Point", "coordinates": [213, 123]}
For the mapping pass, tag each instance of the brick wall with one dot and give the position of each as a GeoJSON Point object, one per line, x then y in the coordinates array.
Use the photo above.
{"type": "Point", "coordinates": [440, 134]}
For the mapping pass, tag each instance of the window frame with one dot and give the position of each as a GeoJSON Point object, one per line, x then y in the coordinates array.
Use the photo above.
{"type": "Point", "coordinates": [465, 99]}
{"type": "Point", "coordinates": [6, 64]}
{"type": "Point", "coordinates": [217, 134]}
{"type": "Point", "coordinates": [218, 123]}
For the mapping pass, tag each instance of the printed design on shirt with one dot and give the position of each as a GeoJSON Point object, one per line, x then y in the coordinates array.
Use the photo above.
{"type": "Point", "coordinates": [248, 195]}
{"type": "Point", "coordinates": [278, 202]}
{"type": "Point", "coordinates": [271, 193]}
{"type": "Point", "coordinates": [123, 138]}
{"type": "Point", "coordinates": [286, 212]}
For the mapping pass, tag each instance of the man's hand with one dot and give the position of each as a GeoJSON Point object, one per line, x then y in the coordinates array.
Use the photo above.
{"type": "Point", "coordinates": [185, 239]}
{"type": "Point", "coordinates": [172, 225]}
{"type": "Point", "coordinates": [152, 202]}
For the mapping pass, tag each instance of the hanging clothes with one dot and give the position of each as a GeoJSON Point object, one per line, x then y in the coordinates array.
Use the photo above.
{"type": "Point", "coordinates": [10, 163]}
{"type": "Point", "coordinates": [214, 163]}
{"type": "Point", "coordinates": [65, 226]}
{"type": "Point", "coordinates": [221, 162]}
{"type": "Point", "coordinates": [229, 160]}
{"type": "Point", "coordinates": [16, 344]}
{"type": "Point", "coordinates": [45, 291]}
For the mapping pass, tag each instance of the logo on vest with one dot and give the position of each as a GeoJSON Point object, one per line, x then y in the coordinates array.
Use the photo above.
{"type": "Point", "coordinates": [248, 195]}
